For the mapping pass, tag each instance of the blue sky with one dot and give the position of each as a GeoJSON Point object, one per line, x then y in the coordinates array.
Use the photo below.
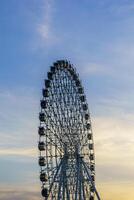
{"type": "Point", "coordinates": [98, 38]}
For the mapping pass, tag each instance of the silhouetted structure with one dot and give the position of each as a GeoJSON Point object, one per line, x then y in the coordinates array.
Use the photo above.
{"type": "Point", "coordinates": [65, 137]}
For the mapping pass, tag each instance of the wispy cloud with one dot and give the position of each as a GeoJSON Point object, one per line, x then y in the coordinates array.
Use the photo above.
{"type": "Point", "coordinates": [21, 193]}
{"type": "Point", "coordinates": [18, 119]}
{"type": "Point", "coordinates": [94, 68]}
{"type": "Point", "coordinates": [31, 152]}
{"type": "Point", "coordinates": [119, 66]}
{"type": "Point", "coordinates": [116, 191]}
{"type": "Point", "coordinates": [122, 8]}
{"type": "Point", "coordinates": [114, 151]}
{"type": "Point", "coordinates": [13, 195]}
{"type": "Point", "coordinates": [45, 27]}
{"type": "Point", "coordinates": [113, 146]}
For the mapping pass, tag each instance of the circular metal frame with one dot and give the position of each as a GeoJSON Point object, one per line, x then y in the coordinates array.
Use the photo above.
{"type": "Point", "coordinates": [66, 148]}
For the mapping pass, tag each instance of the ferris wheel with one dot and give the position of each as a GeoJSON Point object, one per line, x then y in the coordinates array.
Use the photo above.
{"type": "Point", "coordinates": [66, 148]}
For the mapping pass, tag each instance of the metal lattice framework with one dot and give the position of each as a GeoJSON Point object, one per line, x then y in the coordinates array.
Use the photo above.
{"type": "Point", "coordinates": [67, 164]}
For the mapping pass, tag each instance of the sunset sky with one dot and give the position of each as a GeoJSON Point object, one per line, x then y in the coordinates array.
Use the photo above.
{"type": "Point", "coordinates": [97, 36]}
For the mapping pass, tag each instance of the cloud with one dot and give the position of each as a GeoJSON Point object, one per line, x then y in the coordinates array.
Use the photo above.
{"type": "Point", "coordinates": [13, 195]}
{"type": "Point", "coordinates": [93, 68]}
{"type": "Point", "coordinates": [114, 133]}
{"type": "Point", "coordinates": [113, 191]}
{"type": "Point", "coordinates": [118, 102]}
{"type": "Point", "coordinates": [116, 64]}
{"type": "Point", "coordinates": [114, 151]}
{"type": "Point", "coordinates": [21, 193]}
{"type": "Point", "coordinates": [44, 28]}
{"type": "Point", "coordinates": [19, 152]}
{"type": "Point", "coordinates": [123, 8]}
{"type": "Point", "coordinates": [18, 121]}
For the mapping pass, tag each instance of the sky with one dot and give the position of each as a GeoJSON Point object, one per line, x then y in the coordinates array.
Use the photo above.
{"type": "Point", "coordinates": [98, 38]}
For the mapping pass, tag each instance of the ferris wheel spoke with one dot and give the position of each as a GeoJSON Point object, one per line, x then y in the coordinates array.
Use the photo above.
{"type": "Point", "coordinates": [53, 127]}
{"type": "Point", "coordinates": [59, 115]}
{"type": "Point", "coordinates": [55, 175]}
{"type": "Point", "coordinates": [62, 114]}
